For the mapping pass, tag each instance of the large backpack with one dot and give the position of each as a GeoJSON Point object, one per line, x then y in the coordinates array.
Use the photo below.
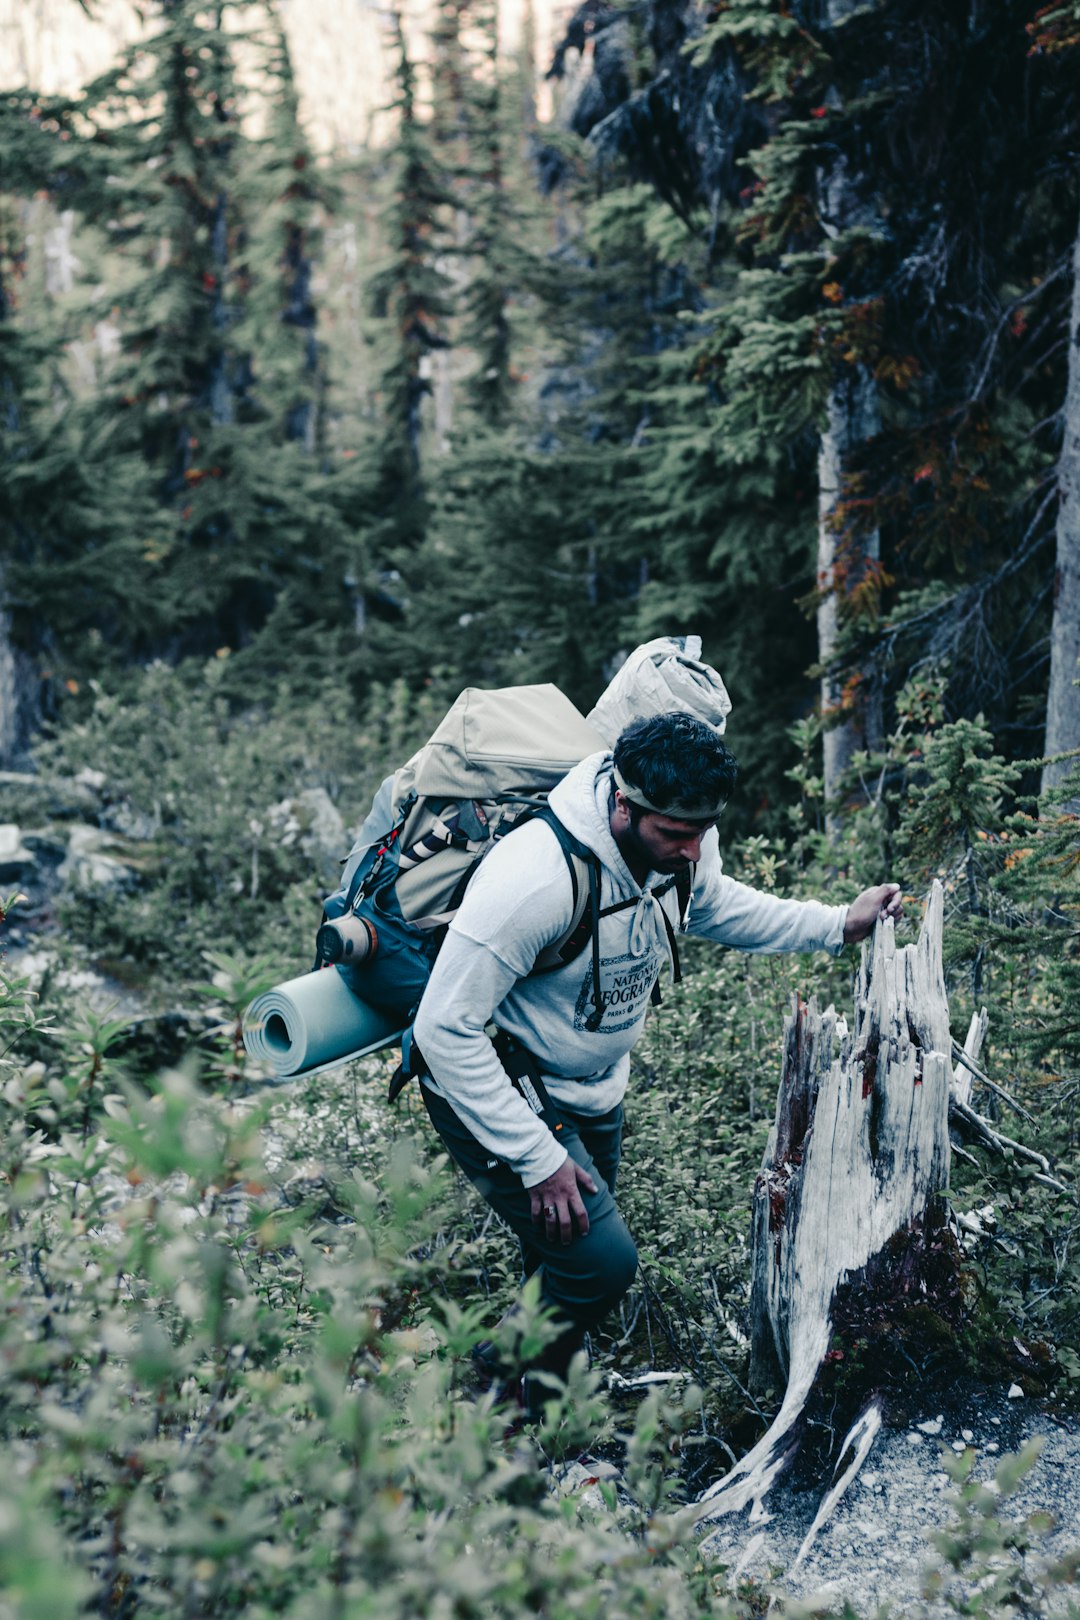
{"type": "Point", "coordinates": [487, 768]}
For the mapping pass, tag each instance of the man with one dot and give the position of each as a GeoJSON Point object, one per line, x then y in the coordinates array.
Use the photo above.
{"type": "Point", "coordinates": [648, 811]}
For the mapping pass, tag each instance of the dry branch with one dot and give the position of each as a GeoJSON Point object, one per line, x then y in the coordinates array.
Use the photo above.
{"type": "Point", "coordinates": [969, 1125]}
{"type": "Point", "coordinates": [967, 1056]}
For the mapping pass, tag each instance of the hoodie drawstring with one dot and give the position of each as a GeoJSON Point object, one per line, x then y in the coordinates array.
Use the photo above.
{"type": "Point", "coordinates": [646, 927]}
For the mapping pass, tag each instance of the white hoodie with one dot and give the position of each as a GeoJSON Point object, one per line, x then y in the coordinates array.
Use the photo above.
{"type": "Point", "coordinates": [521, 900]}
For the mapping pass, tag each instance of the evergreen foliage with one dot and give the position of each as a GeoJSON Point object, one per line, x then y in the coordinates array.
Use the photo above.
{"type": "Point", "coordinates": [950, 303]}
{"type": "Point", "coordinates": [410, 292]}
{"type": "Point", "coordinates": [203, 495]}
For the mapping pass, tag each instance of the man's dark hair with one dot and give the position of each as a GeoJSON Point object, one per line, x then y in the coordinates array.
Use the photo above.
{"type": "Point", "coordinates": [674, 758]}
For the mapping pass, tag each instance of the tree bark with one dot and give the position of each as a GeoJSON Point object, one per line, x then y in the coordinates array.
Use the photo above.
{"type": "Point", "coordinates": [852, 419]}
{"type": "Point", "coordinates": [19, 714]}
{"type": "Point", "coordinates": [1063, 697]}
{"type": "Point", "coordinates": [859, 1152]}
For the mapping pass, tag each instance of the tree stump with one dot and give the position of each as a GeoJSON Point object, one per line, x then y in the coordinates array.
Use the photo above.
{"type": "Point", "coordinates": [859, 1153]}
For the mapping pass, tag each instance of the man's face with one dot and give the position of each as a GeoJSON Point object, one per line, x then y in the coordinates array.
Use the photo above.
{"type": "Point", "coordinates": [662, 843]}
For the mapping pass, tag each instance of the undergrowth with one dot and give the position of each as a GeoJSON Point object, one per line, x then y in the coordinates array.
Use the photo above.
{"type": "Point", "coordinates": [234, 1348]}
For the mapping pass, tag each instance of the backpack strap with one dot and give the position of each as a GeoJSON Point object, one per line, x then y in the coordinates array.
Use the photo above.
{"type": "Point", "coordinates": [683, 884]}
{"type": "Point", "coordinates": [365, 876]}
{"type": "Point", "coordinates": [587, 912]}
{"type": "Point", "coordinates": [584, 867]}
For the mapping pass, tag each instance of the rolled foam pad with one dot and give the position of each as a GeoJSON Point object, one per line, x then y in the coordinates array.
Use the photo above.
{"type": "Point", "coordinates": [314, 1022]}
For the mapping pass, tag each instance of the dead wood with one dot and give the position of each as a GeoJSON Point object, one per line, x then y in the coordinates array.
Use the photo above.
{"type": "Point", "coordinates": [968, 1125]}
{"type": "Point", "coordinates": [859, 1152]}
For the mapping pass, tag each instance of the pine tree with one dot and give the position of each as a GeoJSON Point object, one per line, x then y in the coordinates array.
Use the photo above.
{"type": "Point", "coordinates": [21, 362]}
{"type": "Point", "coordinates": [504, 592]}
{"type": "Point", "coordinates": [480, 126]}
{"type": "Point", "coordinates": [478, 583]}
{"type": "Point", "coordinates": [411, 294]}
{"type": "Point", "coordinates": [76, 514]}
{"type": "Point", "coordinates": [309, 498]}
{"type": "Point", "coordinates": [164, 128]}
{"type": "Point", "coordinates": [223, 525]}
{"type": "Point", "coordinates": [486, 327]}
{"type": "Point", "coordinates": [686, 530]}
{"type": "Point", "coordinates": [285, 200]}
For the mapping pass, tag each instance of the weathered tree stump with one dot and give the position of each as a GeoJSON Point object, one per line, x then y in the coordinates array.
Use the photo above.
{"type": "Point", "coordinates": [859, 1153]}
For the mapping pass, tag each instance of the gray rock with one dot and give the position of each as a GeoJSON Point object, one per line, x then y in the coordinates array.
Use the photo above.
{"type": "Point", "coordinates": [14, 855]}
{"type": "Point", "coordinates": [311, 821]}
{"type": "Point", "coordinates": [49, 795]}
{"type": "Point", "coordinates": [75, 985]}
{"type": "Point", "coordinates": [48, 845]}
{"type": "Point", "coordinates": [92, 861]}
{"type": "Point", "coordinates": [326, 829]}
{"type": "Point", "coordinates": [142, 825]}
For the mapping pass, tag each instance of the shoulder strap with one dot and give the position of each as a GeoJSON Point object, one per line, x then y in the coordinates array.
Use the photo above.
{"type": "Point", "coordinates": [580, 861]}
{"type": "Point", "coordinates": [684, 888]}
{"type": "Point", "coordinates": [584, 865]}
{"type": "Point", "coordinates": [683, 884]}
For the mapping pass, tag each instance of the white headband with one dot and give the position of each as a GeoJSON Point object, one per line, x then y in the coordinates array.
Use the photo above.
{"type": "Point", "coordinates": [681, 810]}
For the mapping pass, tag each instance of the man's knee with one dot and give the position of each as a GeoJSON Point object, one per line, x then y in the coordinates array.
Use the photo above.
{"type": "Point", "coordinates": [621, 1264]}
{"type": "Point", "coordinates": [588, 1279]}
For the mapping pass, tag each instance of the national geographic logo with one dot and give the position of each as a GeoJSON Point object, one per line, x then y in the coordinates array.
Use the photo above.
{"type": "Point", "coordinates": [625, 984]}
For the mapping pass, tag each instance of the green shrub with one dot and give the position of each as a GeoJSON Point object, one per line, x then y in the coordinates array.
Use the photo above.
{"type": "Point", "coordinates": [216, 1402]}
{"type": "Point", "coordinates": [220, 860]}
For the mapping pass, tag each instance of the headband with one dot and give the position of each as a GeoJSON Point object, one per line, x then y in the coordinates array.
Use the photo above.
{"type": "Point", "coordinates": [689, 810]}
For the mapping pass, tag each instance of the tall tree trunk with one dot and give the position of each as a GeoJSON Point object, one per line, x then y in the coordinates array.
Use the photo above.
{"type": "Point", "coordinates": [1063, 698]}
{"type": "Point", "coordinates": [19, 687]}
{"type": "Point", "coordinates": [842, 560]}
{"type": "Point", "coordinates": [852, 419]}
{"type": "Point", "coordinates": [18, 695]}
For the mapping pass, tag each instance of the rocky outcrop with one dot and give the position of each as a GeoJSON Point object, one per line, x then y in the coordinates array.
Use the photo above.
{"type": "Point", "coordinates": [311, 820]}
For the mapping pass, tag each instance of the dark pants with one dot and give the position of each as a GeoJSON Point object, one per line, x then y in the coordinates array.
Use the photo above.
{"type": "Point", "coordinates": [584, 1279]}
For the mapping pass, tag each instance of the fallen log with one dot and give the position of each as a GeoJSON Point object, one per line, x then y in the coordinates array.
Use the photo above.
{"type": "Point", "coordinates": [859, 1153]}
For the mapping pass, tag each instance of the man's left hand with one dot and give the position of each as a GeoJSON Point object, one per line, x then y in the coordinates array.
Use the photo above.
{"type": "Point", "coordinates": [873, 905]}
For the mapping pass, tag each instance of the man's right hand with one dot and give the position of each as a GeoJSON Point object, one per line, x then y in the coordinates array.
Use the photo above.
{"type": "Point", "coordinates": [556, 1203]}
{"type": "Point", "coordinates": [872, 906]}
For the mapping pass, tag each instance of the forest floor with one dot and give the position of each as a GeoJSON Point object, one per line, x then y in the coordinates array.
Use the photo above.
{"type": "Point", "coordinates": [877, 1548]}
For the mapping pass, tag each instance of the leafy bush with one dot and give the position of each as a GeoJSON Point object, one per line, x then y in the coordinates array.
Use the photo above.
{"type": "Point", "coordinates": [218, 1402]}
{"type": "Point", "coordinates": [221, 857]}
